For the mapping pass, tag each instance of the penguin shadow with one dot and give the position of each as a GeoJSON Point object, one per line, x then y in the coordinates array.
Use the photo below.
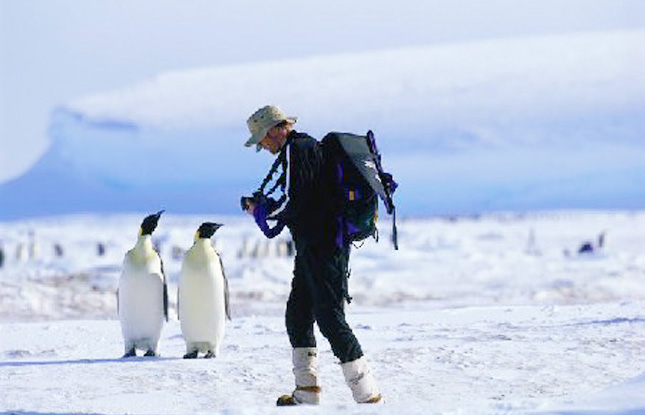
{"type": "Point", "coordinates": [44, 413]}
{"type": "Point", "coordinates": [137, 360]}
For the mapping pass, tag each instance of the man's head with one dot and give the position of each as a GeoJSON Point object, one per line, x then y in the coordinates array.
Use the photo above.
{"type": "Point", "coordinates": [269, 128]}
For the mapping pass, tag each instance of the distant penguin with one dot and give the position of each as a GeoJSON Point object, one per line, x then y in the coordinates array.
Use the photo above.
{"type": "Point", "coordinates": [531, 245]}
{"type": "Point", "coordinates": [281, 250]}
{"type": "Point", "coordinates": [601, 240]}
{"type": "Point", "coordinates": [21, 253]}
{"type": "Point", "coordinates": [34, 250]}
{"type": "Point", "coordinates": [143, 294]}
{"type": "Point", "coordinates": [245, 249]}
{"type": "Point", "coordinates": [291, 249]}
{"type": "Point", "coordinates": [590, 248]}
{"type": "Point", "coordinates": [58, 250]}
{"type": "Point", "coordinates": [202, 298]}
{"type": "Point", "coordinates": [100, 249]}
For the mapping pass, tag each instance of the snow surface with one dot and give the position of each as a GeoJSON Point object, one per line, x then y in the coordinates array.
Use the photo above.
{"type": "Point", "coordinates": [493, 314]}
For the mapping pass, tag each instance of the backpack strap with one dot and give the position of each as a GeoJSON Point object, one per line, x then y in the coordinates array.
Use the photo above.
{"type": "Point", "coordinates": [395, 237]}
{"type": "Point", "coordinates": [279, 161]}
{"type": "Point", "coordinates": [389, 186]}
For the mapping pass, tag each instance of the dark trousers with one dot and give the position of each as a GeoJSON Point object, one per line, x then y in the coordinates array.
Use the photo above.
{"type": "Point", "coordinates": [318, 294]}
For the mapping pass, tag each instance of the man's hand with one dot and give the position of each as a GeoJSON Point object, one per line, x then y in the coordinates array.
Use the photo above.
{"type": "Point", "coordinates": [250, 208]}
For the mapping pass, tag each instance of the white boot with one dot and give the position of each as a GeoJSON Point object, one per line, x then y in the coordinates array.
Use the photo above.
{"type": "Point", "coordinates": [305, 370]}
{"type": "Point", "coordinates": [360, 380]}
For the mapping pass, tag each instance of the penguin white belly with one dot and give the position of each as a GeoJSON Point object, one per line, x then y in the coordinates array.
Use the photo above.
{"type": "Point", "coordinates": [141, 308]}
{"type": "Point", "coordinates": [201, 306]}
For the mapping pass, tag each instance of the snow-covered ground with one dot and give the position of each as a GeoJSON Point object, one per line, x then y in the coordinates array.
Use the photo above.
{"type": "Point", "coordinates": [477, 106]}
{"type": "Point", "coordinates": [495, 314]}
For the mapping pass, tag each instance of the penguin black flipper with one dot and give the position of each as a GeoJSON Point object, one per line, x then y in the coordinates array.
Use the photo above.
{"type": "Point", "coordinates": [165, 289]}
{"type": "Point", "coordinates": [226, 294]}
{"type": "Point", "coordinates": [165, 300]}
{"type": "Point", "coordinates": [226, 300]}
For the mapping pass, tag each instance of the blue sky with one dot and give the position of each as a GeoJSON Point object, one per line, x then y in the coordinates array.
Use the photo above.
{"type": "Point", "coordinates": [52, 51]}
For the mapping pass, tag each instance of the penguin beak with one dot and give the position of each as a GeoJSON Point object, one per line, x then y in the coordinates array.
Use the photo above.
{"type": "Point", "coordinates": [216, 226]}
{"type": "Point", "coordinates": [208, 229]}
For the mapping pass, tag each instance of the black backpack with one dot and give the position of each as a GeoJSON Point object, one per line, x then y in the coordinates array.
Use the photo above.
{"type": "Point", "coordinates": [352, 166]}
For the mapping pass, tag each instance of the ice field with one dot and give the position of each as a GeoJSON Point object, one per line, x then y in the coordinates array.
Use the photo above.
{"type": "Point", "coordinates": [496, 314]}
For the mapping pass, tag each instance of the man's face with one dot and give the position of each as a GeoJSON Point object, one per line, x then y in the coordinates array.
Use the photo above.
{"type": "Point", "coordinates": [272, 142]}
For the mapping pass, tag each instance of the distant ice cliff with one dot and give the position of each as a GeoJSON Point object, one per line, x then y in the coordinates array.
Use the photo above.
{"type": "Point", "coordinates": [531, 123]}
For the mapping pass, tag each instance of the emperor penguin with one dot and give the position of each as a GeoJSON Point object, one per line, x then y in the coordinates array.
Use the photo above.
{"type": "Point", "coordinates": [142, 296]}
{"type": "Point", "coordinates": [202, 298]}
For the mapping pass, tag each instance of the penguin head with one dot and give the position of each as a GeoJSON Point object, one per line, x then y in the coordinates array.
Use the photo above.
{"type": "Point", "coordinates": [149, 224]}
{"type": "Point", "coordinates": [207, 230]}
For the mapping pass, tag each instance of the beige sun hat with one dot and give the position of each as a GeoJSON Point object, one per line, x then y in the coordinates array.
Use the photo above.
{"type": "Point", "coordinates": [263, 120]}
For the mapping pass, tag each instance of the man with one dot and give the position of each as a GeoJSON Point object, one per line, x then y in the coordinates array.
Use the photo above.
{"type": "Point", "coordinates": [319, 285]}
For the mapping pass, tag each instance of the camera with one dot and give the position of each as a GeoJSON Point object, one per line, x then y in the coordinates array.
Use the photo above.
{"type": "Point", "coordinates": [256, 199]}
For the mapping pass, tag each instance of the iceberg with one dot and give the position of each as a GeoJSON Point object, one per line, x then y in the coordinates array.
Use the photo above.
{"type": "Point", "coordinates": [503, 124]}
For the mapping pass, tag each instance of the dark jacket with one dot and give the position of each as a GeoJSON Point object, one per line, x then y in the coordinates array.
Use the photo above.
{"type": "Point", "coordinates": [305, 209]}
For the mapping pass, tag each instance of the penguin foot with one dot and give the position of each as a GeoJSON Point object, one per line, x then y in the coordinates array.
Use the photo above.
{"type": "Point", "coordinates": [151, 353]}
{"type": "Point", "coordinates": [210, 355]}
{"type": "Point", "coordinates": [191, 355]}
{"type": "Point", "coordinates": [130, 353]}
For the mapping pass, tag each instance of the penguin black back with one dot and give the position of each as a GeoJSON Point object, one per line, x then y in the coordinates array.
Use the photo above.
{"type": "Point", "coordinates": [207, 229]}
{"type": "Point", "coordinates": [149, 224]}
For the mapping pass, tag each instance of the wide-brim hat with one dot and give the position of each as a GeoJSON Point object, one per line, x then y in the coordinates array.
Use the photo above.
{"type": "Point", "coordinates": [262, 121]}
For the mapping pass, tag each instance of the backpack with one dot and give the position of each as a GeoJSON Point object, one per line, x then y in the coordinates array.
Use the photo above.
{"type": "Point", "coordinates": [352, 167]}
